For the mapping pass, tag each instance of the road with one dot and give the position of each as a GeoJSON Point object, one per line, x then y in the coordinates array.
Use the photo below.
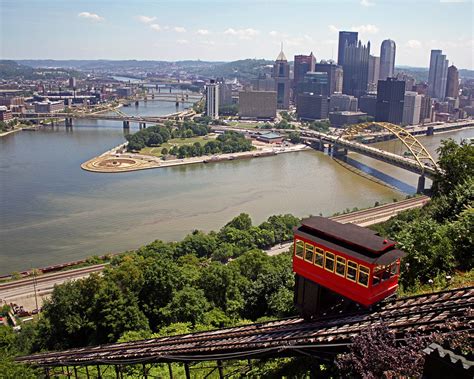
{"type": "Point", "coordinates": [22, 292]}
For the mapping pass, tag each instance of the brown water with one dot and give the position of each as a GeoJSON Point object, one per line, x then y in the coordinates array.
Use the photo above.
{"type": "Point", "coordinates": [51, 211]}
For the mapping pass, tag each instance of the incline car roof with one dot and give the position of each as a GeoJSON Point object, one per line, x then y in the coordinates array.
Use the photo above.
{"type": "Point", "coordinates": [356, 236]}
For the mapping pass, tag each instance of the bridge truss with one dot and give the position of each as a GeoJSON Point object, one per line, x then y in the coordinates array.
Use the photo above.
{"type": "Point", "coordinates": [417, 150]}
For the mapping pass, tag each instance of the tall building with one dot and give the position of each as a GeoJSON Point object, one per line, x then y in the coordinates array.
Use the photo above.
{"type": "Point", "coordinates": [72, 82]}
{"type": "Point", "coordinates": [374, 72]}
{"type": "Point", "coordinates": [342, 103]}
{"type": "Point", "coordinates": [408, 79]}
{"type": "Point", "coordinates": [387, 59]}
{"type": "Point", "coordinates": [225, 92]}
{"type": "Point", "coordinates": [212, 99]}
{"type": "Point", "coordinates": [356, 69]}
{"type": "Point", "coordinates": [312, 107]}
{"type": "Point", "coordinates": [345, 39]}
{"type": "Point", "coordinates": [257, 104]}
{"type": "Point", "coordinates": [452, 82]}
{"type": "Point", "coordinates": [438, 74]}
{"type": "Point", "coordinates": [368, 104]}
{"type": "Point", "coordinates": [263, 83]}
{"type": "Point", "coordinates": [316, 83]}
{"type": "Point", "coordinates": [334, 75]}
{"type": "Point", "coordinates": [281, 74]}
{"type": "Point", "coordinates": [390, 100]}
{"type": "Point", "coordinates": [411, 108]}
{"type": "Point", "coordinates": [425, 109]}
{"type": "Point", "coordinates": [302, 65]}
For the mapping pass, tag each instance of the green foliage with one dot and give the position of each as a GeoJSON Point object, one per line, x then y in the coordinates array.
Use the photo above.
{"type": "Point", "coordinates": [229, 142]}
{"type": "Point", "coordinates": [295, 137]}
{"type": "Point", "coordinates": [456, 162]}
{"type": "Point", "coordinates": [320, 126]}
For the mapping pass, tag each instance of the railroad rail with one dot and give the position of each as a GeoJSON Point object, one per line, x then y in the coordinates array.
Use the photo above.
{"type": "Point", "coordinates": [323, 337]}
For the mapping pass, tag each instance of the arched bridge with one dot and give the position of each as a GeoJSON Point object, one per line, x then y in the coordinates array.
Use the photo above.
{"type": "Point", "coordinates": [420, 161]}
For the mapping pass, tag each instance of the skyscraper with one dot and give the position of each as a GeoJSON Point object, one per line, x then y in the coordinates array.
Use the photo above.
{"type": "Point", "coordinates": [334, 75]}
{"type": "Point", "coordinates": [281, 74]}
{"type": "Point", "coordinates": [390, 100]}
{"type": "Point", "coordinates": [374, 72]}
{"type": "Point", "coordinates": [411, 108]}
{"type": "Point", "coordinates": [356, 69]}
{"type": "Point", "coordinates": [303, 64]}
{"type": "Point", "coordinates": [387, 59]}
{"type": "Point", "coordinates": [316, 83]}
{"type": "Point", "coordinates": [438, 74]}
{"type": "Point", "coordinates": [345, 39]}
{"type": "Point", "coordinates": [212, 99]}
{"type": "Point", "coordinates": [452, 82]}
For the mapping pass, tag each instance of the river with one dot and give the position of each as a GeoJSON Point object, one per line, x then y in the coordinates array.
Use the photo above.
{"type": "Point", "coordinates": [53, 212]}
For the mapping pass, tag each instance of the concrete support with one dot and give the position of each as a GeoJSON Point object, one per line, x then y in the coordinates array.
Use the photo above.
{"type": "Point", "coordinates": [126, 124]}
{"type": "Point", "coordinates": [186, 370]}
{"type": "Point", "coordinates": [67, 122]}
{"type": "Point", "coordinates": [220, 368]}
{"type": "Point", "coordinates": [421, 184]}
{"type": "Point", "coordinates": [137, 103]}
{"type": "Point", "coordinates": [170, 369]}
{"type": "Point", "coordinates": [430, 130]}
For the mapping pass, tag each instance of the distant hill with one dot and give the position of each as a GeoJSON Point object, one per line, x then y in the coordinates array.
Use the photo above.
{"type": "Point", "coordinates": [10, 70]}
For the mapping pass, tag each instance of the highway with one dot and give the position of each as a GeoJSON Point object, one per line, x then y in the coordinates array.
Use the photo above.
{"type": "Point", "coordinates": [22, 293]}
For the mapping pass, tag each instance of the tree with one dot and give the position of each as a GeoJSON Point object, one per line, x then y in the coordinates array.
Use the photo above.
{"type": "Point", "coordinates": [198, 243]}
{"type": "Point", "coordinates": [320, 126]}
{"type": "Point", "coordinates": [187, 304]}
{"type": "Point", "coordinates": [164, 151]}
{"type": "Point", "coordinates": [456, 162]}
{"type": "Point", "coordinates": [154, 139]}
{"type": "Point", "coordinates": [295, 137]}
{"type": "Point", "coordinates": [241, 222]}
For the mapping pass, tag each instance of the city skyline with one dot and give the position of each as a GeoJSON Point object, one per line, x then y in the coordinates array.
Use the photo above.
{"type": "Point", "coordinates": [214, 31]}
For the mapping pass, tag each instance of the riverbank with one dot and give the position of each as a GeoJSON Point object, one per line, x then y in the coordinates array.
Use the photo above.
{"type": "Point", "coordinates": [113, 161]}
{"type": "Point", "coordinates": [4, 134]}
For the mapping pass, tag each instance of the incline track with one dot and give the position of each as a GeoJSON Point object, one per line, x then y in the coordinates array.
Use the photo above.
{"type": "Point", "coordinates": [422, 314]}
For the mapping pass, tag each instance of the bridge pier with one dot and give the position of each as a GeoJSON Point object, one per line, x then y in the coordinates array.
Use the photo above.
{"type": "Point", "coordinates": [142, 125]}
{"type": "Point", "coordinates": [430, 131]}
{"type": "Point", "coordinates": [137, 103]}
{"type": "Point", "coordinates": [68, 122]}
{"type": "Point", "coordinates": [126, 124]}
{"type": "Point", "coordinates": [421, 184]}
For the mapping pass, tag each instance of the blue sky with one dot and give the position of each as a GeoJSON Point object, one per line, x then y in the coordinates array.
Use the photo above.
{"type": "Point", "coordinates": [232, 29]}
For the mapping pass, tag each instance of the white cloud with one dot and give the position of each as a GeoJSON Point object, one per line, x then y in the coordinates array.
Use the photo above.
{"type": "Point", "coordinates": [453, 1]}
{"type": "Point", "coordinates": [179, 29]}
{"type": "Point", "coordinates": [182, 41]}
{"type": "Point", "coordinates": [203, 32]}
{"type": "Point", "coordinates": [365, 29]}
{"type": "Point", "coordinates": [208, 43]}
{"type": "Point", "coordinates": [91, 16]}
{"type": "Point", "coordinates": [155, 27]}
{"type": "Point", "coordinates": [299, 41]}
{"type": "Point", "coordinates": [248, 33]}
{"type": "Point", "coordinates": [146, 19]}
{"type": "Point", "coordinates": [273, 33]}
{"type": "Point", "coordinates": [333, 28]}
{"type": "Point", "coordinates": [366, 3]}
{"type": "Point", "coordinates": [414, 44]}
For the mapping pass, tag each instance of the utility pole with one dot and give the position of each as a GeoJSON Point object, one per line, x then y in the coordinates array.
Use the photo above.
{"type": "Point", "coordinates": [34, 286]}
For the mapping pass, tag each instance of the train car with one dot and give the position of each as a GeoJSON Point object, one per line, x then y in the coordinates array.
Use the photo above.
{"type": "Point", "coordinates": [339, 263]}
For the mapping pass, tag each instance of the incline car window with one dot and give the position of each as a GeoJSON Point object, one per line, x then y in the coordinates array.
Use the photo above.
{"type": "Point", "coordinates": [351, 271]}
{"type": "Point", "coordinates": [319, 258]}
{"type": "Point", "coordinates": [309, 251]}
{"type": "Point", "coordinates": [299, 248]}
{"type": "Point", "coordinates": [363, 278]}
{"type": "Point", "coordinates": [340, 266]}
{"type": "Point", "coordinates": [329, 261]}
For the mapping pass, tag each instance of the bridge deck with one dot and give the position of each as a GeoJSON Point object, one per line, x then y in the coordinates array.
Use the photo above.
{"type": "Point", "coordinates": [289, 337]}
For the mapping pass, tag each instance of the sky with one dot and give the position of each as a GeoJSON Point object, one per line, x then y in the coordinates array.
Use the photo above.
{"type": "Point", "coordinates": [226, 30]}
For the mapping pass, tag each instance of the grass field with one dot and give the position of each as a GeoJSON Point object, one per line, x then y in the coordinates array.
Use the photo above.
{"type": "Point", "coordinates": [156, 151]}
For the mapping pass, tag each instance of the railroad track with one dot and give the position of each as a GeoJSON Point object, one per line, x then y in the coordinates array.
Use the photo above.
{"type": "Point", "coordinates": [422, 314]}
{"type": "Point", "coordinates": [44, 283]}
